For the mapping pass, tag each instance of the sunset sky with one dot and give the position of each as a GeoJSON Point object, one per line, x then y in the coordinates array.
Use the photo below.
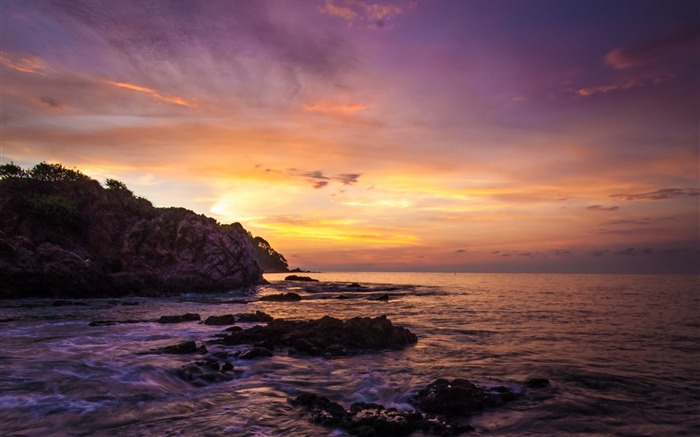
{"type": "Point", "coordinates": [476, 136]}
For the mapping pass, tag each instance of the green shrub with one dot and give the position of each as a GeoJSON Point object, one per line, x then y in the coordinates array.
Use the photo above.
{"type": "Point", "coordinates": [54, 208]}
{"type": "Point", "coordinates": [12, 170]}
{"type": "Point", "coordinates": [56, 172]}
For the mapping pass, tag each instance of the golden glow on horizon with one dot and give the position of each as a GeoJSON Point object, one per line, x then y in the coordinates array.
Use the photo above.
{"type": "Point", "coordinates": [325, 107]}
{"type": "Point", "coordinates": [153, 93]}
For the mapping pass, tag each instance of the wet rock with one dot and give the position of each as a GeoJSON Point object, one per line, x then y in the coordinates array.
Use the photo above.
{"type": "Point", "coordinates": [328, 336]}
{"type": "Point", "coordinates": [367, 419]}
{"type": "Point", "coordinates": [230, 319]}
{"type": "Point", "coordinates": [203, 373]}
{"type": "Point", "coordinates": [283, 297]}
{"type": "Point", "coordinates": [256, 317]}
{"type": "Point", "coordinates": [300, 278]}
{"type": "Point", "coordinates": [459, 397]}
{"type": "Point", "coordinates": [227, 319]}
{"type": "Point", "coordinates": [113, 322]}
{"type": "Point", "coordinates": [256, 352]}
{"type": "Point", "coordinates": [354, 285]}
{"type": "Point", "coordinates": [384, 297]}
{"type": "Point", "coordinates": [186, 347]}
{"type": "Point", "coordinates": [188, 317]}
{"type": "Point", "coordinates": [537, 382]}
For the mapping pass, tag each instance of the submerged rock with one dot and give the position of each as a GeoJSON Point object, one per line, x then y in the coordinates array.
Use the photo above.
{"type": "Point", "coordinates": [537, 382]}
{"type": "Point", "coordinates": [327, 336]}
{"type": "Point", "coordinates": [202, 373]}
{"type": "Point", "coordinates": [186, 347]}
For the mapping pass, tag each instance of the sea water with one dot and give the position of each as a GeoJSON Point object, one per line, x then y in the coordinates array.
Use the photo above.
{"type": "Point", "coordinates": [621, 352]}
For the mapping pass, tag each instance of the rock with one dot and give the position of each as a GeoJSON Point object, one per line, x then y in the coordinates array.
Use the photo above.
{"type": "Point", "coordinates": [188, 317]}
{"type": "Point", "coordinates": [256, 352]}
{"type": "Point", "coordinates": [367, 419]}
{"type": "Point", "coordinates": [537, 382]}
{"type": "Point", "coordinates": [75, 238]}
{"type": "Point", "coordinates": [327, 336]}
{"type": "Point", "coordinates": [354, 285]}
{"type": "Point", "coordinates": [202, 373]}
{"type": "Point", "coordinates": [283, 297]}
{"type": "Point", "coordinates": [227, 319]}
{"type": "Point", "coordinates": [230, 319]}
{"type": "Point", "coordinates": [186, 347]}
{"type": "Point", "coordinates": [383, 297]}
{"type": "Point", "coordinates": [300, 278]}
{"type": "Point", "coordinates": [459, 397]}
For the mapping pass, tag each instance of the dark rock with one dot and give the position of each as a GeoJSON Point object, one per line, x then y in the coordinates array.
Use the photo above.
{"type": "Point", "coordinates": [256, 352]}
{"type": "Point", "coordinates": [354, 285]}
{"type": "Point", "coordinates": [283, 297]}
{"type": "Point", "coordinates": [230, 319]}
{"type": "Point", "coordinates": [186, 347]}
{"type": "Point", "coordinates": [73, 238]}
{"type": "Point", "coordinates": [459, 397]}
{"type": "Point", "coordinates": [188, 317]}
{"type": "Point", "coordinates": [367, 419]}
{"type": "Point", "coordinates": [537, 382]}
{"type": "Point", "coordinates": [327, 336]}
{"type": "Point", "coordinates": [300, 278]}
{"type": "Point", "coordinates": [202, 373]}
{"type": "Point", "coordinates": [256, 317]}
{"type": "Point", "coordinates": [227, 319]}
{"type": "Point", "coordinates": [383, 297]}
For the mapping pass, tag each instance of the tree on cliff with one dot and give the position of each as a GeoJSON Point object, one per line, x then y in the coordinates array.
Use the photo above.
{"type": "Point", "coordinates": [268, 258]}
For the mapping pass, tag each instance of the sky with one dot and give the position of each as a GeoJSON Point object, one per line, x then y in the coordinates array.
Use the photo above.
{"type": "Point", "coordinates": [456, 136]}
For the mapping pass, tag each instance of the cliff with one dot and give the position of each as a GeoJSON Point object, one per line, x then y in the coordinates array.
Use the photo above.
{"type": "Point", "coordinates": [71, 237]}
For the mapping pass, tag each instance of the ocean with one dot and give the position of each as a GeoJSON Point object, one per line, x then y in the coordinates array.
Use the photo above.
{"type": "Point", "coordinates": [621, 353]}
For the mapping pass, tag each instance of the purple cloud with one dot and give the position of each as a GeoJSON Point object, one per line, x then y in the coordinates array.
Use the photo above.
{"type": "Point", "coordinates": [602, 208]}
{"type": "Point", "coordinates": [661, 194]}
{"type": "Point", "coordinates": [626, 57]}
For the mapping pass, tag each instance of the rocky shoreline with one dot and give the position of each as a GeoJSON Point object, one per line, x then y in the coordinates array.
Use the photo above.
{"type": "Point", "coordinates": [442, 407]}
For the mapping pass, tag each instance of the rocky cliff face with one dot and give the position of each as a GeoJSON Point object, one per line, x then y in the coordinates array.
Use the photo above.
{"type": "Point", "coordinates": [78, 239]}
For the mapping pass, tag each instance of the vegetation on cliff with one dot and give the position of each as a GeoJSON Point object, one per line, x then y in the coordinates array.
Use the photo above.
{"type": "Point", "coordinates": [64, 234]}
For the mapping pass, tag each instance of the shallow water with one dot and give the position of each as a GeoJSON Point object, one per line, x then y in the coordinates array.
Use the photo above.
{"type": "Point", "coordinates": [621, 353]}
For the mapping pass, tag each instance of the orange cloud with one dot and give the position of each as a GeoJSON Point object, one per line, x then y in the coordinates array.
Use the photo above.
{"type": "Point", "coordinates": [329, 108]}
{"type": "Point", "coordinates": [25, 64]}
{"type": "Point", "coordinates": [153, 93]}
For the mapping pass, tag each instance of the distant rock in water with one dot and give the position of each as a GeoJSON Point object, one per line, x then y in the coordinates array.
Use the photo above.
{"type": "Point", "coordinates": [64, 235]}
{"type": "Point", "coordinates": [188, 317]}
{"type": "Point", "coordinates": [460, 397]}
{"type": "Point", "coordinates": [300, 278]}
{"type": "Point", "coordinates": [283, 297]}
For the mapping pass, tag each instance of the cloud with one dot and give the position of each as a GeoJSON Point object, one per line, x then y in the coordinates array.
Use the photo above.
{"type": "Point", "coordinates": [325, 107]}
{"type": "Point", "coordinates": [661, 194]}
{"type": "Point", "coordinates": [644, 53]}
{"type": "Point", "coordinates": [375, 15]}
{"type": "Point", "coordinates": [51, 102]}
{"type": "Point", "coordinates": [631, 251]}
{"type": "Point", "coordinates": [24, 64]}
{"type": "Point", "coordinates": [318, 179]}
{"type": "Point", "coordinates": [602, 208]}
{"type": "Point", "coordinates": [174, 100]}
{"type": "Point", "coordinates": [460, 251]}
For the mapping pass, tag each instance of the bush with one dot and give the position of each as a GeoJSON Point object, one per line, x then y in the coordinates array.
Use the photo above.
{"type": "Point", "coordinates": [55, 208]}
{"type": "Point", "coordinates": [12, 170]}
{"type": "Point", "coordinates": [113, 184]}
{"type": "Point", "coordinates": [55, 172]}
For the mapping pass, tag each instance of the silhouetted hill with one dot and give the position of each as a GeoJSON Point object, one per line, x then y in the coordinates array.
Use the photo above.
{"type": "Point", "coordinates": [63, 234]}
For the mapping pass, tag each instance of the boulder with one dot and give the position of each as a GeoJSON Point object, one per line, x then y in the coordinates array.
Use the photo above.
{"type": "Point", "coordinates": [459, 397]}
{"type": "Point", "coordinates": [187, 317]}
{"type": "Point", "coordinates": [327, 336]}
{"type": "Point", "coordinates": [368, 419]}
{"type": "Point", "coordinates": [282, 297]}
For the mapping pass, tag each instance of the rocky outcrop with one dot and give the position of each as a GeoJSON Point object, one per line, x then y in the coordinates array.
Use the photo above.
{"type": "Point", "coordinates": [74, 238]}
{"type": "Point", "coordinates": [282, 297]}
{"type": "Point", "coordinates": [367, 419]}
{"type": "Point", "coordinates": [460, 397]}
{"type": "Point", "coordinates": [327, 336]}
